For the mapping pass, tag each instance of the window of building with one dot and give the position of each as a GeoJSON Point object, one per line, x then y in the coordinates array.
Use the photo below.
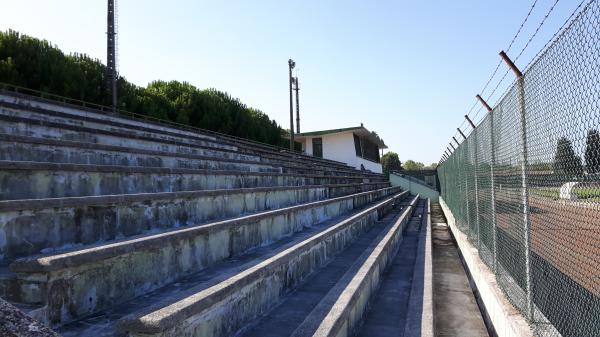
{"type": "Point", "coordinates": [366, 149]}
{"type": "Point", "coordinates": [317, 145]}
{"type": "Point", "coordinates": [357, 146]}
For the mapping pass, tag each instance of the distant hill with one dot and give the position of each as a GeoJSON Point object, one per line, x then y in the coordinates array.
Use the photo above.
{"type": "Point", "coordinates": [37, 64]}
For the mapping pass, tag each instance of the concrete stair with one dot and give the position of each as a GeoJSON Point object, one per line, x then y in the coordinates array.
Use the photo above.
{"type": "Point", "coordinates": [53, 109]}
{"type": "Point", "coordinates": [116, 226]}
{"type": "Point", "coordinates": [43, 123]}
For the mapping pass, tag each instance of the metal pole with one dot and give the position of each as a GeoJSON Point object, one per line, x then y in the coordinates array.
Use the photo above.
{"type": "Point", "coordinates": [457, 143]}
{"type": "Point", "coordinates": [524, 184]}
{"type": "Point", "coordinates": [452, 146]}
{"type": "Point", "coordinates": [291, 65]}
{"type": "Point", "coordinates": [297, 104]}
{"type": "Point", "coordinates": [476, 163]}
{"type": "Point", "coordinates": [492, 185]}
{"type": "Point", "coordinates": [461, 133]}
{"type": "Point", "coordinates": [466, 195]}
{"type": "Point", "coordinates": [111, 51]}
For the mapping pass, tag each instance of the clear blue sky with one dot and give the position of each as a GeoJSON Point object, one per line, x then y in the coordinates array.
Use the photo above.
{"type": "Point", "coordinates": [408, 70]}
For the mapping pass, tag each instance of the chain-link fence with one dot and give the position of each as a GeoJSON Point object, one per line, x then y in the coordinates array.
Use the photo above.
{"type": "Point", "coordinates": [525, 185]}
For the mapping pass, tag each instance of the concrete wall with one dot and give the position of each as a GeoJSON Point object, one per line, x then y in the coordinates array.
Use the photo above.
{"type": "Point", "coordinates": [414, 188]}
{"type": "Point", "coordinates": [506, 319]}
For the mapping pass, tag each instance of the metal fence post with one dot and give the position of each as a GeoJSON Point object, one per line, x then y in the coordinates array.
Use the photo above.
{"type": "Point", "coordinates": [476, 163]}
{"type": "Point", "coordinates": [492, 184]}
{"type": "Point", "coordinates": [525, 192]}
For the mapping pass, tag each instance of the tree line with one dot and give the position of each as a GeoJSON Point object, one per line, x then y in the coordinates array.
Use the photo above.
{"type": "Point", "coordinates": [37, 64]}
{"type": "Point", "coordinates": [390, 162]}
{"type": "Point", "coordinates": [568, 164]}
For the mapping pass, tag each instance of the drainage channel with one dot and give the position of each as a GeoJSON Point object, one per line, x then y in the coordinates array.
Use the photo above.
{"type": "Point", "coordinates": [455, 305]}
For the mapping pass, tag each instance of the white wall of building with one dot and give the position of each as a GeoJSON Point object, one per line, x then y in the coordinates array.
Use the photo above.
{"type": "Point", "coordinates": [340, 147]}
{"type": "Point", "coordinates": [369, 165]}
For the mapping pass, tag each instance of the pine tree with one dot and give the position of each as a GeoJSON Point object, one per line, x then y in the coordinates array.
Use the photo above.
{"type": "Point", "coordinates": [566, 163]}
{"type": "Point", "coordinates": [592, 152]}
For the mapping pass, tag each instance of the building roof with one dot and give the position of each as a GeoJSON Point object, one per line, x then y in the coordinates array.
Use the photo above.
{"type": "Point", "coordinates": [358, 130]}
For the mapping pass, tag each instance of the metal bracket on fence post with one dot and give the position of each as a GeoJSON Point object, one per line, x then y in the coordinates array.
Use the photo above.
{"type": "Point", "coordinates": [461, 133]}
{"type": "Point", "coordinates": [492, 185]}
{"type": "Point", "coordinates": [457, 143]}
{"type": "Point", "coordinates": [470, 121]}
{"type": "Point", "coordinates": [452, 146]}
{"type": "Point", "coordinates": [524, 168]}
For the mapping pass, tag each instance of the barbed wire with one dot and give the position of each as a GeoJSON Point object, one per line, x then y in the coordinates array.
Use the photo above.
{"type": "Point", "coordinates": [487, 83]}
{"type": "Point", "coordinates": [561, 30]}
{"type": "Point", "coordinates": [537, 29]}
{"type": "Point", "coordinates": [510, 45]}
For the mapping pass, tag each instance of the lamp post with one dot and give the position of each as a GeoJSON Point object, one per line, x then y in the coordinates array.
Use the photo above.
{"type": "Point", "coordinates": [291, 65]}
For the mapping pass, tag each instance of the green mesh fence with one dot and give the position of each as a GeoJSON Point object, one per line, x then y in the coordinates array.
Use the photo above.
{"type": "Point", "coordinates": [525, 185]}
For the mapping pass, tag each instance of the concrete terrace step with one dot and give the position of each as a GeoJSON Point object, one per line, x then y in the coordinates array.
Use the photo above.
{"type": "Point", "coordinates": [35, 226]}
{"type": "Point", "coordinates": [227, 304]}
{"type": "Point", "coordinates": [60, 109]}
{"type": "Point", "coordinates": [28, 123]}
{"type": "Point", "coordinates": [14, 147]}
{"type": "Point", "coordinates": [319, 300]}
{"type": "Point", "coordinates": [112, 273]}
{"type": "Point", "coordinates": [34, 128]}
{"type": "Point", "coordinates": [104, 323]}
{"type": "Point", "coordinates": [33, 180]}
{"type": "Point", "coordinates": [395, 303]}
{"type": "Point", "coordinates": [23, 148]}
{"type": "Point", "coordinates": [21, 126]}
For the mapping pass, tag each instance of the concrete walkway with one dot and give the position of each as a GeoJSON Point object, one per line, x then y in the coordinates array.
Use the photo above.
{"type": "Point", "coordinates": [455, 307]}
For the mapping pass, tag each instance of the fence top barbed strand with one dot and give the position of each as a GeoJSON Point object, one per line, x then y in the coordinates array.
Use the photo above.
{"type": "Point", "coordinates": [560, 31]}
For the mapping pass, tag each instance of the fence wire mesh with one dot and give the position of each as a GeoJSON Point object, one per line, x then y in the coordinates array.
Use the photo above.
{"type": "Point", "coordinates": [525, 185]}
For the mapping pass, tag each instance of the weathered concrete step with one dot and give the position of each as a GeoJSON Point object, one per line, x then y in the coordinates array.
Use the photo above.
{"type": "Point", "coordinates": [103, 323]}
{"type": "Point", "coordinates": [21, 126]}
{"type": "Point", "coordinates": [389, 310]}
{"type": "Point", "coordinates": [340, 311]}
{"type": "Point", "coordinates": [35, 226]}
{"type": "Point", "coordinates": [23, 123]}
{"type": "Point", "coordinates": [293, 309]}
{"type": "Point", "coordinates": [23, 148]}
{"type": "Point", "coordinates": [112, 273]}
{"type": "Point", "coordinates": [59, 109]}
{"type": "Point", "coordinates": [221, 309]}
{"type": "Point", "coordinates": [32, 180]}
{"type": "Point", "coordinates": [26, 122]}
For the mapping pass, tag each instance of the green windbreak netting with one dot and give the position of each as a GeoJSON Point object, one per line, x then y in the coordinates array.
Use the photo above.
{"type": "Point", "coordinates": [525, 185]}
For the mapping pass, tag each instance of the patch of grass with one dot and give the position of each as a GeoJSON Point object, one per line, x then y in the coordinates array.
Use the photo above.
{"type": "Point", "coordinates": [547, 192]}
{"type": "Point", "coordinates": [583, 193]}
{"type": "Point", "coordinates": [587, 192]}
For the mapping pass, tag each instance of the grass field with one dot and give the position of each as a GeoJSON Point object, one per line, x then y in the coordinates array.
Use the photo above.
{"type": "Point", "coordinates": [591, 194]}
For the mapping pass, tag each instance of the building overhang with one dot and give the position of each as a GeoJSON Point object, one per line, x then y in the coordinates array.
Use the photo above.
{"type": "Point", "coordinates": [360, 131]}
